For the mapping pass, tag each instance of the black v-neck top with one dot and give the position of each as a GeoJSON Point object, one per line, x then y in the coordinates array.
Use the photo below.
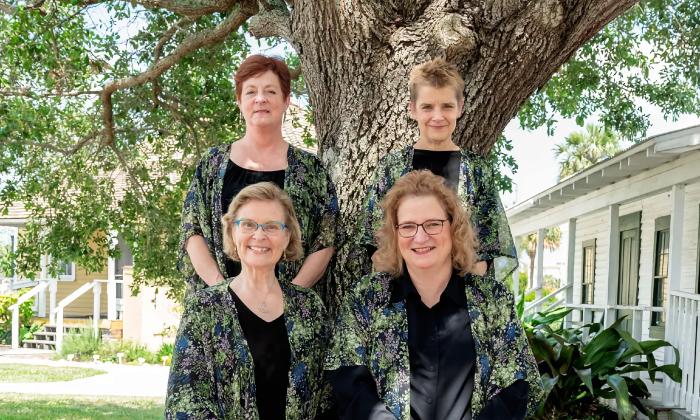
{"type": "Point", "coordinates": [442, 163]}
{"type": "Point", "coordinates": [269, 345]}
{"type": "Point", "coordinates": [235, 179]}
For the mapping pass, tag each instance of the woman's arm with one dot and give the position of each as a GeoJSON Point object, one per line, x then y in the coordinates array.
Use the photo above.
{"type": "Point", "coordinates": [204, 264]}
{"type": "Point", "coordinates": [313, 268]}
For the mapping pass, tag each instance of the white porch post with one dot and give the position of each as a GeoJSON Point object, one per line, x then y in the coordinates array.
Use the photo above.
{"type": "Point", "coordinates": [540, 263]}
{"type": "Point", "coordinates": [111, 290]}
{"type": "Point", "coordinates": [41, 303]}
{"type": "Point", "coordinates": [613, 261]}
{"type": "Point", "coordinates": [53, 288]}
{"type": "Point", "coordinates": [673, 333]}
{"type": "Point", "coordinates": [571, 255]}
{"type": "Point", "coordinates": [96, 292]}
{"type": "Point", "coordinates": [675, 245]}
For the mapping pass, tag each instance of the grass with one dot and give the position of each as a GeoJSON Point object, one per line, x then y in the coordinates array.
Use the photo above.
{"type": "Point", "coordinates": [21, 406]}
{"type": "Point", "coordinates": [11, 372]}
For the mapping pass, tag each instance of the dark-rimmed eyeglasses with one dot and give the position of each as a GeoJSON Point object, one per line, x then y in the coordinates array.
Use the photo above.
{"type": "Point", "coordinates": [250, 226]}
{"type": "Point", "coordinates": [431, 227]}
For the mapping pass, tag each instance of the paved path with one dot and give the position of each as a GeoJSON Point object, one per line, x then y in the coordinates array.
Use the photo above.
{"type": "Point", "coordinates": [120, 380]}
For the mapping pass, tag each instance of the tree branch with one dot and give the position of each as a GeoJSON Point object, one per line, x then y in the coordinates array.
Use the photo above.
{"type": "Point", "coordinates": [67, 152]}
{"type": "Point", "coordinates": [192, 43]}
{"type": "Point", "coordinates": [8, 9]}
{"type": "Point", "coordinates": [134, 181]}
{"type": "Point", "coordinates": [29, 94]}
{"type": "Point", "coordinates": [271, 20]}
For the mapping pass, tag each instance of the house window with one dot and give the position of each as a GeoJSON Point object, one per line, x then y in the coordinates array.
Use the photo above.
{"type": "Point", "coordinates": [660, 282]}
{"type": "Point", "coordinates": [588, 276]}
{"type": "Point", "coordinates": [66, 270]}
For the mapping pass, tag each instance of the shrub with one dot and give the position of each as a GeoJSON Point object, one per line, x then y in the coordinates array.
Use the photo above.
{"type": "Point", "coordinates": [82, 345]}
{"type": "Point", "coordinates": [577, 371]}
{"type": "Point", "coordinates": [26, 312]}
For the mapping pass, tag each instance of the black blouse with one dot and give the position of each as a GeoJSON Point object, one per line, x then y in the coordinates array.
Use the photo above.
{"type": "Point", "coordinates": [235, 179]}
{"type": "Point", "coordinates": [269, 346]}
{"type": "Point", "coordinates": [442, 163]}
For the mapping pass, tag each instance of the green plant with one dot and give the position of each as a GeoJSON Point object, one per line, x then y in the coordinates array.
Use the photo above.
{"type": "Point", "coordinates": [578, 370]}
{"type": "Point", "coordinates": [27, 332]}
{"type": "Point", "coordinates": [26, 312]}
{"type": "Point", "coordinates": [82, 345]}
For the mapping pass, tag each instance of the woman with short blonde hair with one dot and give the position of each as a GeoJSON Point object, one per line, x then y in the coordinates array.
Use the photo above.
{"type": "Point", "coordinates": [252, 346]}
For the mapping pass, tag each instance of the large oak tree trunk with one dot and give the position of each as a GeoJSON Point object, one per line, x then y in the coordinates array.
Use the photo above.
{"type": "Point", "coordinates": [356, 57]}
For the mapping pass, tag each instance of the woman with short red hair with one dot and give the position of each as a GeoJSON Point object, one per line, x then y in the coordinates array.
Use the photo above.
{"type": "Point", "coordinates": [262, 94]}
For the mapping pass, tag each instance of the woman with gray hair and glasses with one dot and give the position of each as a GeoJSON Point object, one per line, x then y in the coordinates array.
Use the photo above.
{"type": "Point", "coordinates": [252, 346]}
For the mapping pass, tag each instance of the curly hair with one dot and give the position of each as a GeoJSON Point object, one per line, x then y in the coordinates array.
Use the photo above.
{"type": "Point", "coordinates": [257, 64]}
{"type": "Point", "coordinates": [263, 191]}
{"type": "Point", "coordinates": [437, 73]}
{"type": "Point", "coordinates": [424, 183]}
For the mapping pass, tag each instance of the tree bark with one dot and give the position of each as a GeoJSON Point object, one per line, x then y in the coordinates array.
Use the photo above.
{"type": "Point", "coordinates": [356, 57]}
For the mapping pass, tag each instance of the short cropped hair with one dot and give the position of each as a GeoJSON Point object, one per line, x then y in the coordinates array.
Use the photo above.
{"type": "Point", "coordinates": [419, 184]}
{"type": "Point", "coordinates": [263, 191]}
{"type": "Point", "coordinates": [258, 64]}
{"type": "Point", "coordinates": [436, 73]}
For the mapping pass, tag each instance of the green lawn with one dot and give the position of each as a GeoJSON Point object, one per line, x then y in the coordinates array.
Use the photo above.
{"type": "Point", "coordinates": [34, 373]}
{"type": "Point", "coordinates": [20, 406]}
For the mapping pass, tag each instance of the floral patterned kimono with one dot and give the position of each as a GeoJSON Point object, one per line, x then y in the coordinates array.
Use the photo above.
{"type": "Point", "coordinates": [372, 331]}
{"type": "Point", "coordinates": [305, 181]}
{"type": "Point", "coordinates": [212, 375]}
{"type": "Point", "coordinates": [476, 189]}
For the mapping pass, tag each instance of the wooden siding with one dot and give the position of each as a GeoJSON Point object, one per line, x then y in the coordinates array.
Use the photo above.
{"type": "Point", "coordinates": [82, 306]}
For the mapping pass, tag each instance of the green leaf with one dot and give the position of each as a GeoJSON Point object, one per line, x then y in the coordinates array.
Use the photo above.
{"type": "Point", "coordinates": [587, 378]}
{"type": "Point", "coordinates": [624, 407]}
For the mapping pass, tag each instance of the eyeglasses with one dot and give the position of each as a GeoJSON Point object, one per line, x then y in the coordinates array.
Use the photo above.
{"type": "Point", "coordinates": [250, 226]}
{"type": "Point", "coordinates": [431, 227]}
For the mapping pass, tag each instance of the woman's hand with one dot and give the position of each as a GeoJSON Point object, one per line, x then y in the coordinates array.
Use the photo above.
{"type": "Point", "coordinates": [204, 264]}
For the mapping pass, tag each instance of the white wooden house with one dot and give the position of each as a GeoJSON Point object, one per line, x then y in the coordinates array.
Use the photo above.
{"type": "Point", "coordinates": [632, 247]}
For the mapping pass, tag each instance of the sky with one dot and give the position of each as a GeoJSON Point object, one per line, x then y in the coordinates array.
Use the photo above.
{"type": "Point", "coordinates": [533, 151]}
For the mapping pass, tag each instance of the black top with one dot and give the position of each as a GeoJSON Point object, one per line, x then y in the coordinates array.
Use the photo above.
{"type": "Point", "coordinates": [441, 352]}
{"type": "Point", "coordinates": [269, 346]}
{"type": "Point", "coordinates": [442, 359]}
{"type": "Point", "coordinates": [441, 355]}
{"type": "Point", "coordinates": [235, 179]}
{"type": "Point", "coordinates": [443, 163]}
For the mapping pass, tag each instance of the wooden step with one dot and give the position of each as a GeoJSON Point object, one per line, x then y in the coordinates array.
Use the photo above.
{"type": "Point", "coordinates": [39, 344]}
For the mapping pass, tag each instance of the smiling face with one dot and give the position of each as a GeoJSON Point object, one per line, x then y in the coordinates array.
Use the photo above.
{"type": "Point", "coordinates": [259, 249]}
{"type": "Point", "coordinates": [262, 101]}
{"type": "Point", "coordinates": [436, 111]}
{"type": "Point", "coordinates": [424, 251]}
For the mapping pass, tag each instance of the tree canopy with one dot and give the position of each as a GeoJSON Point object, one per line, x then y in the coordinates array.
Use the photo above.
{"type": "Point", "coordinates": [93, 93]}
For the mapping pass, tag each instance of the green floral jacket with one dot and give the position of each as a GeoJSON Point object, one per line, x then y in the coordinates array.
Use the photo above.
{"type": "Point", "coordinates": [212, 375]}
{"type": "Point", "coordinates": [305, 180]}
{"type": "Point", "coordinates": [372, 331]}
{"type": "Point", "coordinates": [476, 189]}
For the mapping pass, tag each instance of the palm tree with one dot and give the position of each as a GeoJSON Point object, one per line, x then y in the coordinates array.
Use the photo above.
{"type": "Point", "coordinates": [552, 240]}
{"type": "Point", "coordinates": [583, 149]}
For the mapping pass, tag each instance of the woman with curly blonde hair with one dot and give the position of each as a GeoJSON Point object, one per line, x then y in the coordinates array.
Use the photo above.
{"type": "Point", "coordinates": [424, 337]}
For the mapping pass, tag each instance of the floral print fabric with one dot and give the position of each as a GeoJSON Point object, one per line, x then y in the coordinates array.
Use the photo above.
{"type": "Point", "coordinates": [372, 331]}
{"type": "Point", "coordinates": [305, 181]}
{"type": "Point", "coordinates": [212, 375]}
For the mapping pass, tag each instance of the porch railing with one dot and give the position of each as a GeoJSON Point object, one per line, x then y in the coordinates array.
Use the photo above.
{"type": "Point", "coordinates": [682, 332]}
{"type": "Point", "coordinates": [40, 286]}
{"type": "Point", "coordinates": [96, 286]}
{"type": "Point", "coordinates": [536, 306]}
